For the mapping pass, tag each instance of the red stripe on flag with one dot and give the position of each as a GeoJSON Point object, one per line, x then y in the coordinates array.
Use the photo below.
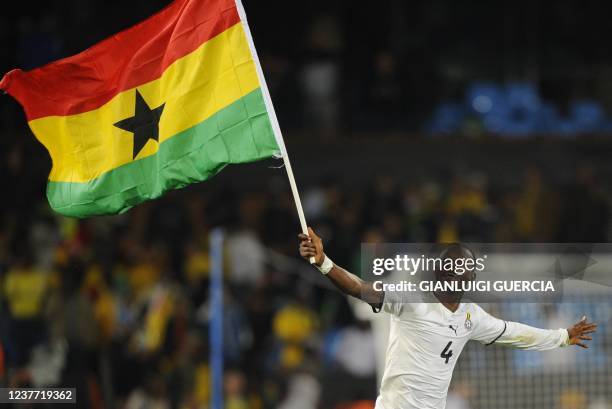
{"type": "Point", "coordinates": [130, 58]}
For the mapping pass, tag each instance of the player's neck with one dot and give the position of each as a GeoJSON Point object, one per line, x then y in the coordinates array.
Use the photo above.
{"type": "Point", "coordinates": [450, 301]}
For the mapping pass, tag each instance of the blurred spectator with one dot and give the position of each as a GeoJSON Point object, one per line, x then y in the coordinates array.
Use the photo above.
{"type": "Point", "coordinates": [25, 289]}
{"type": "Point", "coordinates": [536, 209]}
{"type": "Point", "coordinates": [303, 392]}
{"type": "Point", "coordinates": [246, 257]}
{"type": "Point", "coordinates": [320, 75]}
{"type": "Point", "coordinates": [294, 324]}
{"type": "Point", "coordinates": [354, 353]}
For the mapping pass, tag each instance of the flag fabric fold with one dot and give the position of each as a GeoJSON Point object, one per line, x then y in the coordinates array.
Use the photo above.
{"type": "Point", "coordinates": [168, 102]}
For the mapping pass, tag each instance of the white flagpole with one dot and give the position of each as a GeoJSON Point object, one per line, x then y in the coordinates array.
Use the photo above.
{"type": "Point", "coordinates": [273, 120]}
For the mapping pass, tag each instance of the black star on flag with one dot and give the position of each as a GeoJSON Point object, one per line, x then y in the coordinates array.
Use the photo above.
{"type": "Point", "coordinates": [144, 124]}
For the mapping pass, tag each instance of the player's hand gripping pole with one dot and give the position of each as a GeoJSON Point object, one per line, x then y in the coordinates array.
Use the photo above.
{"type": "Point", "coordinates": [273, 120]}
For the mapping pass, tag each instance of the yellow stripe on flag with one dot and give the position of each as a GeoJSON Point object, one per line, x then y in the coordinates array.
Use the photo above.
{"type": "Point", "coordinates": [193, 88]}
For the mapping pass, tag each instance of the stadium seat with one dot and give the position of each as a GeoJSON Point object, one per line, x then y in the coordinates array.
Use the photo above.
{"type": "Point", "coordinates": [587, 116]}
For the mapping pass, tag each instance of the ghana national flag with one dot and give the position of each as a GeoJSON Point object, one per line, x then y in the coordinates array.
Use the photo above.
{"type": "Point", "coordinates": [163, 104]}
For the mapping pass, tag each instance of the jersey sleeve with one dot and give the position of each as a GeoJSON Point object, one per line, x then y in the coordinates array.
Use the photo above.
{"type": "Point", "coordinates": [491, 330]}
{"type": "Point", "coordinates": [523, 336]}
{"type": "Point", "coordinates": [487, 328]}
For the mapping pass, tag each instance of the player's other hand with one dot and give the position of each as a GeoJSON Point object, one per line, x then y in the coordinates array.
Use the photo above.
{"type": "Point", "coordinates": [578, 333]}
{"type": "Point", "coordinates": [311, 246]}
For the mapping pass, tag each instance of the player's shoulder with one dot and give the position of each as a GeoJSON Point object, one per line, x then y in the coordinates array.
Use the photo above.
{"type": "Point", "coordinates": [479, 315]}
{"type": "Point", "coordinates": [475, 310]}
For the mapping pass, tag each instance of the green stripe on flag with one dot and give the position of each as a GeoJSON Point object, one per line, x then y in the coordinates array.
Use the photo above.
{"type": "Point", "coordinates": [239, 133]}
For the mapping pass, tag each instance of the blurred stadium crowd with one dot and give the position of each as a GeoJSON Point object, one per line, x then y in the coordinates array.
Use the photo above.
{"type": "Point", "coordinates": [118, 306]}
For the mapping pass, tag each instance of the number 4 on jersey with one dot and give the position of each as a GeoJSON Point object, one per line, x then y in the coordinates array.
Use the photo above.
{"type": "Point", "coordinates": [447, 352]}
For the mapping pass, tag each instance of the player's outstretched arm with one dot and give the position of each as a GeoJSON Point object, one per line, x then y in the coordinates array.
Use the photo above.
{"type": "Point", "coordinates": [523, 336]}
{"type": "Point", "coordinates": [311, 245]}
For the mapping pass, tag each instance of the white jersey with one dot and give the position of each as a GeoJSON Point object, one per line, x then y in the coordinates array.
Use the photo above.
{"type": "Point", "coordinates": [426, 339]}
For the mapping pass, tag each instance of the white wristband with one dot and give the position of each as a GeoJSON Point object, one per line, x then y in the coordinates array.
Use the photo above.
{"type": "Point", "coordinates": [326, 266]}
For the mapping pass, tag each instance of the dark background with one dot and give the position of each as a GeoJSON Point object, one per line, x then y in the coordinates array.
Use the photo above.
{"type": "Point", "coordinates": [379, 104]}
